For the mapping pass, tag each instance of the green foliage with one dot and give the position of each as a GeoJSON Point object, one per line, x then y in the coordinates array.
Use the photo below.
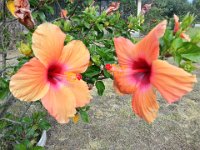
{"type": "Point", "coordinates": [185, 52]}
{"type": "Point", "coordinates": [4, 88]}
{"type": "Point", "coordinates": [4, 44]}
{"type": "Point", "coordinates": [100, 87]}
{"type": "Point", "coordinates": [22, 133]}
{"type": "Point", "coordinates": [97, 32]}
{"type": "Point", "coordinates": [166, 9]}
{"type": "Point", "coordinates": [85, 23]}
{"type": "Point", "coordinates": [83, 111]}
{"type": "Point", "coordinates": [43, 8]}
{"type": "Point", "coordinates": [196, 10]}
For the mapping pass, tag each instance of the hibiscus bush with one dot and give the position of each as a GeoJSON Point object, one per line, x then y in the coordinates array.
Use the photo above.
{"type": "Point", "coordinates": [66, 54]}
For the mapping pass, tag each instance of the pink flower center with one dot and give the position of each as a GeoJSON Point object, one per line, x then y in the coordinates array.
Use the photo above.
{"type": "Point", "coordinates": [57, 74]}
{"type": "Point", "coordinates": [54, 72]}
{"type": "Point", "coordinates": [141, 72]}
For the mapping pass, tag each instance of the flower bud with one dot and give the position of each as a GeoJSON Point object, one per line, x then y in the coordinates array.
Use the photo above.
{"type": "Point", "coordinates": [25, 49]}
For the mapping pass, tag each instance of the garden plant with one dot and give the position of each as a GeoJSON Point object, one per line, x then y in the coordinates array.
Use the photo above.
{"type": "Point", "coordinates": [65, 53]}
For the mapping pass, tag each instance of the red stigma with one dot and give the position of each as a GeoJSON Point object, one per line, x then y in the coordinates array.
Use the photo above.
{"type": "Point", "coordinates": [79, 76]}
{"type": "Point", "coordinates": [108, 66]}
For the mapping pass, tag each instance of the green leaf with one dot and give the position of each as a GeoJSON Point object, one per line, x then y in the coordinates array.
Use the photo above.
{"type": "Point", "coordinates": [44, 125]}
{"type": "Point", "coordinates": [177, 43]}
{"type": "Point", "coordinates": [187, 21]}
{"type": "Point", "coordinates": [107, 55]}
{"type": "Point", "coordinates": [177, 59]}
{"type": "Point", "coordinates": [100, 87]}
{"type": "Point", "coordinates": [87, 25]}
{"type": "Point", "coordinates": [107, 74]}
{"type": "Point", "coordinates": [92, 71]}
{"type": "Point", "coordinates": [87, 108]}
{"type": "Point", "coordinates": [190, 51]}
{"type": "Point", "coordinates": [38, 148]}
{"type": "Point", "coordinates": [27, 120]}
{"type": "Point", "coordinates": [195, 57]}
{"type": "Point", "coordinates": [84, 116]}
{"type": "Point", "coordinates": [68, 38]}
{"type": "Point", "coordinates": [67, 25]}
{"type": "Point", "coordinates": [96, 60]}
{"type": "Point", "coordinates": [20, 147]}
{"type": "Point", "coordinates": [42, 16]}
{"type": "Point", "coordinates": [100, 27]}
{"type": "Point", "coordinates": [196, 38]}
{"type": "Point", "coordinates": [33, 2]}
{"type": "Point", "coordinates": [4, 93]}
{"type": "Point", "coordinates": [4, 88]}
{"type": "Point", "coordinates": [188, 66]}
{"type": "Point", "coordinates": [168, 37]}
{"type": "Point", "coordinates": [49, 8]}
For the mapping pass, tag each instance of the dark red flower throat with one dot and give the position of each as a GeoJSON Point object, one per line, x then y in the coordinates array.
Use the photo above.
{"type": "Point", "coordinates": [141, 71]}
{"type": "Point", "coordinates": [54, 72]}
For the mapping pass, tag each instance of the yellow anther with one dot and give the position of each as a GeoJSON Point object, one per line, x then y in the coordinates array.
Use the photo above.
{"type": "Point", "coordinates": [70, 76]}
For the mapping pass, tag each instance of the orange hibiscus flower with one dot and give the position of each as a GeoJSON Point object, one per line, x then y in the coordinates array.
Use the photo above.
{"type": "Point", "coordinates": [140, 73]}
{"type": "Point", "coordinates": [54, 74]}
{"type": "Point", "coordinates": [177, 27]}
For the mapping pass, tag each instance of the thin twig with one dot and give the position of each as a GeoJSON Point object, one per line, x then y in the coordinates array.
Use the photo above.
{"type": "Point", "coordinates": [12, 58]}
{"type": "Point", "coordinates": [29, 105]}
{"type": "Point", "coordinates": [88, 31]}
{"type": "Point", "coordinates": [12, 20]}
{"type": "Point", "coordinates": [7, 104]}
{"type": "Point", "coordinates": [74, 10]}
{"type": "Point", "coordinates": [1, 71]}
{"type": "Point", "coordinates": [57, 19]}
{"type": "Point", "coordinates": [12, 121]}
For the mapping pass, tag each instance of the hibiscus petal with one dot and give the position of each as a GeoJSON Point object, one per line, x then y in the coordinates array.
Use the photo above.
{"type": "Point", "coordinates": [124, 83]}
{"type": "Point", "coordinates": [125, 51]}
{"type": "Point", "coordinates": [30, 82]}
{"type": "Point", "coordinates": [48, 43]}
{"type": "Point", "coordinates": [172, 82]}
{"type": "Point", "coordinates": [145, 105]}
{"type": "Point", "coordinates": [60, 103]}
{"type": "Point", "coordinates": [81, 92]}
{"type": "Point", "coordinates": [76, 57]}
{"type": "Point", "coordinates": [148, 47]}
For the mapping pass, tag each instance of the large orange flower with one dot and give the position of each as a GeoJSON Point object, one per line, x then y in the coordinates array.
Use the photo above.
{"type": "Point", "coordinates": [140, 72]}
{"type": "Point", "coordinates": [177, 27]}
{"type": "Point", "coordinates": [53, 75]}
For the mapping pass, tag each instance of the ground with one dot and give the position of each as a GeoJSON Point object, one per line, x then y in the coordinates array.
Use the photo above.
{"type": "Point", "coordinates": [113, 125]}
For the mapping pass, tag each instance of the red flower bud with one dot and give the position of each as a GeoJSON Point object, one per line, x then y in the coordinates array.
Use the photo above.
{"type": "Point", "coordinates": [108, 66]}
